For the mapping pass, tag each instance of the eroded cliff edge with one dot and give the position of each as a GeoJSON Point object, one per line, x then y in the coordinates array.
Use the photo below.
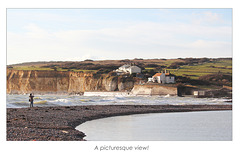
{"type": "Point", "coordinates": [61, 82]}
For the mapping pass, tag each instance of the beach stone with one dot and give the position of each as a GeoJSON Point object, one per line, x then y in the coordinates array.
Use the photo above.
{"type": "Point", "coordinates": [60, 125]}
{"type": "Point", "coordinates": [65, 131]}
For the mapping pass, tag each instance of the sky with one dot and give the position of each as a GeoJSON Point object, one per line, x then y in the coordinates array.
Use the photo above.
{"type": "Point", "coordinates": [100, 34]}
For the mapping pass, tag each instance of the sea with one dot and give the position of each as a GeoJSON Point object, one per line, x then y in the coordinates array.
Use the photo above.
{"type": "Point", "coordinates": [184, 126]}
{"type": "Point", "coordinates": [101, 98]}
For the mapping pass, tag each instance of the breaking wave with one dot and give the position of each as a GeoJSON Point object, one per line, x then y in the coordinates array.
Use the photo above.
{"type": "Point", "coordinates": [21, 101]}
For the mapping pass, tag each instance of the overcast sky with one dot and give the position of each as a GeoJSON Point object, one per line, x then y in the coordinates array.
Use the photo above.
{"type": "Point", "coordinates": [98, 34]}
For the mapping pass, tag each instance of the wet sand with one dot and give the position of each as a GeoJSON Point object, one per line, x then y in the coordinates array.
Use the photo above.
{"type": "Point", "coordinates": [58, 123]}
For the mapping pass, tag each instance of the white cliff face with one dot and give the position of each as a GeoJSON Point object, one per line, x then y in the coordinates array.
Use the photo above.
{"type": "Point", "coordinates": [128, 85]}
{"type": "Point", "coordinates": [21, 82]}
{"type": "Point", "coordinates": [110, 84]}
{"type": "Point", "coordinates": [153, 90]}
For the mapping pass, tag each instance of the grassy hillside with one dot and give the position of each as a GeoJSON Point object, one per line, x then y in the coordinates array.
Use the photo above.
{"type": "Point", "coordinates": [106, 65]}
{"type": "Point", "coordinates": [198, 70]}
{"type": "Point", "coordinates": [186, 69]}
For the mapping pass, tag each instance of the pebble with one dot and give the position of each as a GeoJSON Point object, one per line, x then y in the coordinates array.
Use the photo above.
{"type": "Point", "coordinates": [47, 124]}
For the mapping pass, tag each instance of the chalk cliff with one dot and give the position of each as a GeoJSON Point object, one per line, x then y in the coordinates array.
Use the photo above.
{"type": "Point", "coordinates": [57, 82]}
{"type": "Point", "coordinates": [154, 89]}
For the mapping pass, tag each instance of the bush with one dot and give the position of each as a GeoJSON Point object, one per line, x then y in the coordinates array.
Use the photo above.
{"type": "Point", "coordinates": [138, 59]}
{"type": "Point", "coordinates": [217, 79]}
{"type": "Point", "coordinates": [180, 79]}
{"type": "Point", "coordinates": [88, 60]}
{"type": "Point", "coordinates": [151, 65]}
{"type": "Point", "coordinates": [103, 71]}
{"type": "Point", "coordinates": [176, 65]}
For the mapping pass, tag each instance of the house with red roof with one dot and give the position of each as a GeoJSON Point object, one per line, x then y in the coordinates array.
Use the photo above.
{"type": "Point", "coordinates": [164, 77]}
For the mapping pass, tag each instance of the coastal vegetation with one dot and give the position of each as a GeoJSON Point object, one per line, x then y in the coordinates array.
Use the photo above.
{"type": "Point", "coordinates": [194, 71]}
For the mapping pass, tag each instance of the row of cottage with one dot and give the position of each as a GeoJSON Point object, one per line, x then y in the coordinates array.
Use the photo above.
{"type": "Point", "coordinates": [164, 77]}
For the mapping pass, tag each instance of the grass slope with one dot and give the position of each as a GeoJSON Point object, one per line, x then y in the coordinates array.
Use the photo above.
{"type": "Point", "coordinates": [192, 67]}
{"type": "Point", "coordinates": [194, 72]}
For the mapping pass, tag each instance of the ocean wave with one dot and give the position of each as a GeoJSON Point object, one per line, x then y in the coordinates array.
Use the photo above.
{"type": "Point", "coordinates": [85, 100]}
{"type": "Point", "coordinates": [62, 100]}
{"type": "Point", "coordinates": [20, 103]}
{"type": "Point", "coordinates": [40, 102]}
{"type": "Point", "coordinates": [35, 98]}
{"type": "Point", "coordinates": [65, 100]}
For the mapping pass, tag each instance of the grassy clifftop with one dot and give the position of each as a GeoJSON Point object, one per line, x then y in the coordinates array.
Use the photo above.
{"type": "Point", "coordinates": [198, 70]}
{"type": "Point", "coordinates": [184, 68]}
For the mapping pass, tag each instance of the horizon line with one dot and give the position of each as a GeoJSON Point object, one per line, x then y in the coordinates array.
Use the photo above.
{"type": "Point", "coordinates": [118, 60]}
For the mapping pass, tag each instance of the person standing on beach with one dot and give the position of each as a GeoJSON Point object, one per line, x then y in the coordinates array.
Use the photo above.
{"type": "Point", "coordinates": [31, 100]}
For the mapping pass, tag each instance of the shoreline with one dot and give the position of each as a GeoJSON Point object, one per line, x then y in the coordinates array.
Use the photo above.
{"type": "Point", "coordinates": [58, 123]}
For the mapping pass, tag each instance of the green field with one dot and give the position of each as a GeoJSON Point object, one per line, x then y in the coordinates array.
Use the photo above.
{"type": "Point", "coordinates": [29, 68]}
{"type": "Point", "coordinates": [194, 72]}
{"type": "Point", "coordinates": [149, 68]}
{"type": "Point", "coordinates": [193, 69]}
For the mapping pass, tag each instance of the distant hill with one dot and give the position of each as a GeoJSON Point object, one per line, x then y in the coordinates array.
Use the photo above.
{"type": "Point", "coordinates": [184, 68]}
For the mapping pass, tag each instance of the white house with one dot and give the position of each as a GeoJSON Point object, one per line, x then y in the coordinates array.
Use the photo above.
{"type": "Point", "coordinates": [128, 69]}
{"type": "Point", "coordinates": [162, 78]}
